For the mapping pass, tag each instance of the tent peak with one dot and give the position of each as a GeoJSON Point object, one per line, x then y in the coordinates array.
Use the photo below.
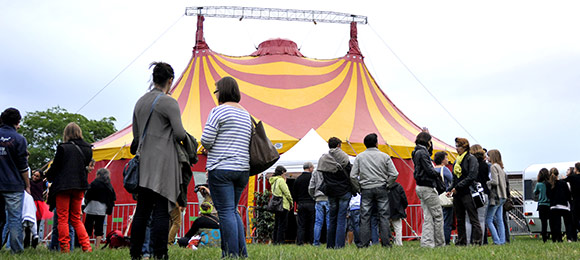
{"type": "Point", "coordinates": [277, 47]}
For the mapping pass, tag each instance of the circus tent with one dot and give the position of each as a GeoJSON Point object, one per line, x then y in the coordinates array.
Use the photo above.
{"type": "Point", "coordinates": [290, 94]}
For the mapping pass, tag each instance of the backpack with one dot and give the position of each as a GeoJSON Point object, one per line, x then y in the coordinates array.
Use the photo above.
{"type": "Point", "coordinates": [116, 239]}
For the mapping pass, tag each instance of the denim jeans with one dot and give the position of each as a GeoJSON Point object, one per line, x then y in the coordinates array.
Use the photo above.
{"type": "Point", "coordinates": [494, 221]}
{"type": "Point", "coordinates": [147, 249]}
{"type": "Point", "coordinates": [354, 225]}
{"type": "Point", "coordinates": [226, 187]}
{"type": "Point", "coordinates": [13, 204]}
{"type": "Point", "coordinates": [375, 197]}
{"type": "Point", "coordinates": [335, 235]}
{"type": "Point", "coordinates": [447, 223]}
{"type": "Point", "coordinates": [322, 216]}
{"type": "Point", "coordinates": [374, 226]}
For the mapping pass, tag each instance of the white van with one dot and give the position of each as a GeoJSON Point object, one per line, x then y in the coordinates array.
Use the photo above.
{"type": "Point", "coordinates": [530, 206]}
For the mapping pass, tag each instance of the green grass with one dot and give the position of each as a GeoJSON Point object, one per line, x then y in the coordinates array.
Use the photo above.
{"type": "Point", "coordinates": [520, 248]}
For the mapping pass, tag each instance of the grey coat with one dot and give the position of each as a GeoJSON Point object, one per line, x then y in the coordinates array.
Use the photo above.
{"type": "Point", "coordinates": [159, 168]}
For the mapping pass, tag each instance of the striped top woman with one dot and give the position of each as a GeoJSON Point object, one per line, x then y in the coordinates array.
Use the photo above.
{"type": "Point", "coordinates": [226, 137]}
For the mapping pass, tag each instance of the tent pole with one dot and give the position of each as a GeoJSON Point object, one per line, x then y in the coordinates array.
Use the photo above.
{"type": "Point", "coordinates": [112, 159]}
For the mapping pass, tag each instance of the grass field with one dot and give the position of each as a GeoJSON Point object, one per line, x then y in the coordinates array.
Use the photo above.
{"type": "Point", "coordinates": [520, 248]}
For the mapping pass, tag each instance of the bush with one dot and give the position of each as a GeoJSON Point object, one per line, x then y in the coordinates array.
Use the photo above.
{"type": "Point", "coordinates": [263, 221]}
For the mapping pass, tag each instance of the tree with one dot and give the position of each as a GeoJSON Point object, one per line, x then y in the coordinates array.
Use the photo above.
{"type": "Point", "coordinates": [43, 131]}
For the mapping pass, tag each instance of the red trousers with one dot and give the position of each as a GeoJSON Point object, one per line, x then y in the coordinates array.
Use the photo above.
{"type": "Point", "coordinates": [68, 206]}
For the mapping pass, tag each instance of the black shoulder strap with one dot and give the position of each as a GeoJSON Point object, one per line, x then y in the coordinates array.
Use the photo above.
{"type": "Point", "coordinates": [80, 151]}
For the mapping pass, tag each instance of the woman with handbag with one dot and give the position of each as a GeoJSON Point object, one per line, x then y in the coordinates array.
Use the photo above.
{"type": "Point", "coordinates": [464, 174]}
{"type": "Point", "coordinates": [280, 189]}
{"type": "Point", "coordinates": [226, 136]}
{"type": "Point", "coordinates": [440, 159]}
{"type": "Point", "coordinates": [482, 178]}
{"type": "Point", "coordinates": [157, 128]}
{"type": "Point", "coordinates": [68, 176]}
{"type": "Point", "coordinates": [426, 178]}
{"type": "Point", "coordinates": [497, 197]}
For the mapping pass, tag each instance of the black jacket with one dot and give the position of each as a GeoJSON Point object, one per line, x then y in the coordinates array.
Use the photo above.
{"type": "Point", "coordinates": [483, 174]}
{"type": "Point", "coordinates": [574, 181]}
{"type": "Point", "coordinates": [560, 194]}
{"type": "Point", "coordinates": [469, 172]}
{"type": "Point", "coordinates": [424, 172]}
{"type": "Point", "coordinates": [301, 188]}
{"type": "Point", "coordinates": [102, 192]}
{"type": "Point", "coordinates": [68, 170]}
{"type": "Point", "coordinates": [397, 201]}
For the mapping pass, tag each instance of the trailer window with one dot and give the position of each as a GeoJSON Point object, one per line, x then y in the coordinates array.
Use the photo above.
{"type": "Point", "coordinates": [529, 186]}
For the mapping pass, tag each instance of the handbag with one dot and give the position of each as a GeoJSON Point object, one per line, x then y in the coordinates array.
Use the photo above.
{"type": "Point", "coordinates": [275, 204]}
{"type": "Point", "coordinates": [263, 154]}
{"type": "Point", "coordinates": [477, 194]}
{"type": "Point", "coordinates": [443, 199]}
{"type": "Point", "coordinates": [131, 170]}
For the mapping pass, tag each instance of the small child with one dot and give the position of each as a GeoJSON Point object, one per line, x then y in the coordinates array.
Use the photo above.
{"type": "Point", "coordinates": [353, 220]}
{"type": "Point", "coordinates": [398, 204]}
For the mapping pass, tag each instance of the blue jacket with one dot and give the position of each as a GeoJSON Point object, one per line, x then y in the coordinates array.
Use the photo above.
{"type": "Point", "coordinates": [13, 159]}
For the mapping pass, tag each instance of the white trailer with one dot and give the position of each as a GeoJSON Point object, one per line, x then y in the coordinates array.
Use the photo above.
{"type": "Point", "coordinates": [530, 206]}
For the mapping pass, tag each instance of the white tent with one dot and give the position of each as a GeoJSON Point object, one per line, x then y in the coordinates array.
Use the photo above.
{"type": "Point", "coordinates": [309, 149]}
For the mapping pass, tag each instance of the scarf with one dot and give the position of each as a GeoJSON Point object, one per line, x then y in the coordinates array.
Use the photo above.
{"type": "Point", "coordinates": [457, 166]}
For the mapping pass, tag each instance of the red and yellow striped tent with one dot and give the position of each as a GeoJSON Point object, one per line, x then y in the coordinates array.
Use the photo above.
{"type": "Point", "coordinates": [290, 94]}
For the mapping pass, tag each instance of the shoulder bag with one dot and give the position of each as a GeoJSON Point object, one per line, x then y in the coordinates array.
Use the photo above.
{"type": "Point", "coordinates": [477, 194]}
{"type": "Point", "coordinates": [445, 201]}
{"type": "Point", "coordinates": [276, 203]}
{"type": "Point", "coordinates": [131, 170]}
{"type": "Point", "coordinates": [263, 154]}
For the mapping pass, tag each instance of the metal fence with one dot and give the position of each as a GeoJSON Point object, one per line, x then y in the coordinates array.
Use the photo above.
{"type": "Point", "coordinates": [122, 214]}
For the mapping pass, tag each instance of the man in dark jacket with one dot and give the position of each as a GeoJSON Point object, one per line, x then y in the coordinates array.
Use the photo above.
{"type": "Point", "coordinates": [335, 166]}
{"type": "Point", "coordinates": [13, 174]}
{"type": "Point", "coordinates": [465, 172]}
{"type": "Point", "coordinates": [306, 211]}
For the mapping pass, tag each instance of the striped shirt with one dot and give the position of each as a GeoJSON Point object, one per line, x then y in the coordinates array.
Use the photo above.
{"type": "Point", "coordinates": [226, 136]}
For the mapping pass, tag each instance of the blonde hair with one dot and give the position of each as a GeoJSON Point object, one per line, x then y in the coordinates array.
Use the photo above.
{"type": "Point", "coordinates": [72, 131]}
{"type": "Point", "coordinates": [495, 157]}
{"type": "Point", "coordinates": [477, 151]}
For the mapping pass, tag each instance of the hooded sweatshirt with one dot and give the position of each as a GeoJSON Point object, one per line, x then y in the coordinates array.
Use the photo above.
{"type": "Point", "coordinates": [331, 166]}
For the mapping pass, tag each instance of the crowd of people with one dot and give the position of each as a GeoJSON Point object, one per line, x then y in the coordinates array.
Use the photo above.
{"type": "Point", "coordinates": [559, 198]}
{"type": "Point", "coordinates": [358, 201]}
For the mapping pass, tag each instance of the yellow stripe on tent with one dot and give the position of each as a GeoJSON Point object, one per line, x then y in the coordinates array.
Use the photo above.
{"type": "Point", "coordinates": [191, 114]}
{"type": "Point", "coordinates": [287, 98]}
{"type": "Point", "coordinates": [177, 91]}
{"type": "Point", "coordinates": [341, 122]}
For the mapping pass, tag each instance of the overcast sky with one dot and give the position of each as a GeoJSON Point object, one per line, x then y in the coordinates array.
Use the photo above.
{"type": "Point", "coordinates": [508, 71]}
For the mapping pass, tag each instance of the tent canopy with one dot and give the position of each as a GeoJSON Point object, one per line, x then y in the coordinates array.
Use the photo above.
{"type": "Point", "coordinates": [291, 94]}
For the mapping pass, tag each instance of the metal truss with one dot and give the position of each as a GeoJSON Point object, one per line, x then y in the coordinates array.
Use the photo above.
{"type": "Point", "coordinates": [274, 14]}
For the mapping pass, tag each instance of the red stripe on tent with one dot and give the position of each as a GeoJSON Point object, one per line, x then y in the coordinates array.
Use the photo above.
{"type": "Point", "coordinates": [291, 122]}
{"type": "Point", "coordinates": [282, 81]}
{"type": "Point", "coordinates": [280, 58]}
{"type": "Point", "coordinates": [114, 136]}
{"type": "Point", "coordinates": [206, 102]}
{"type": "Point", "coordinates": [363, 123]}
